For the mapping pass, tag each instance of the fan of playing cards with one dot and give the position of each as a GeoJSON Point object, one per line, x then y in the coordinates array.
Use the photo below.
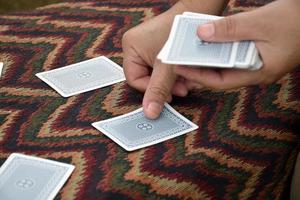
{"type": "Point", "coordinates": [184, 47]}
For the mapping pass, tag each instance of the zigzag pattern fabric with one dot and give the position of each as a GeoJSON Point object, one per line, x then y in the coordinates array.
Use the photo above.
{"type": "Point", "coordinates": [245, 147]}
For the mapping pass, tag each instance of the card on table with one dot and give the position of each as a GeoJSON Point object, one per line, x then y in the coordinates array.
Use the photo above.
{"type": "Point", "coordinates": [134, 131]}
{"type": "Point", "coordinates": [83, 76]}
{"type": "Point", "coordinates": [29, 177]}
{"type": "Point", "coordinates": [186, 48]}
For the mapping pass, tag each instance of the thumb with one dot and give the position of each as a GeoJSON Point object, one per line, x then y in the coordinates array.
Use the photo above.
{"type": "Point", "coordinates": [158, 90]}
{"type": "Point", "coordinates": [236, 27]}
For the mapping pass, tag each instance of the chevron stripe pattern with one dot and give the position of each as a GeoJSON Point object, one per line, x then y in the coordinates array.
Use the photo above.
{"type": "Point", "coordinates": [245, 147]}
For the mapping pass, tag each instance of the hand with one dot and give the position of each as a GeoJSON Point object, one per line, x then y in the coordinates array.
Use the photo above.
{"type": "Point", "coordinates": [275, 28]}
{"type": "Point", "coordinates": [141, 45]}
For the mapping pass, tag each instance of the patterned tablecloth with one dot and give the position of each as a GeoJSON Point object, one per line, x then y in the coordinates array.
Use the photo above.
{"type": "Point", "coordinates": [245, 147]}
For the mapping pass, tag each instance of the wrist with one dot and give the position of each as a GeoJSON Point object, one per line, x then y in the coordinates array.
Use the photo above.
{"type": "Point", "coordinates": [212, 7]}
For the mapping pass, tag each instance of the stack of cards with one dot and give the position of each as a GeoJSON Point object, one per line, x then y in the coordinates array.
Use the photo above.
{"type": "Point", "coordinates": [83, 76]}
{"type": "Point", "coordinates": [134, 131]}
{"type": "Point", "coordinates": [28, 177]}
{"type": "Point", "coordinates": [184, 47]}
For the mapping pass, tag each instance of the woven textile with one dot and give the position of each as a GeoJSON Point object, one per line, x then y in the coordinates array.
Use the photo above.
{"type": "Point", "coordinates": [245, 147]}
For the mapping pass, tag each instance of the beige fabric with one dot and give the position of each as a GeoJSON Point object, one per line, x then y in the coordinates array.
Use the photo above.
{"type": "Point", "coordinates": [295, 187]}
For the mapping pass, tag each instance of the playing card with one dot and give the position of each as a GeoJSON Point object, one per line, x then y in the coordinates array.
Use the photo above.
{"type": "Point", "coordinates": [245, 53]}
{"type": "Point", "coordinates": [83, 76]}
{"type": "Point", "coordinates": [1, 67]}
{"type": "Point", "coordinates": [200, 15]}
{"type": "Point", "coordinates": [28, 177]}
{"type": "Point", "coordinates": [186, 48]}
{"type": "Point", "coordinates": [163, 52]}
{"type": "Point", "coordinates": [256, 62]}
{"type": "Point", "coordinates": [133, 130]}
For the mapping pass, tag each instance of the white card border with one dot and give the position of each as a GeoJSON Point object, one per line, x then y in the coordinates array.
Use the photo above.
{"type": "Point", "coordinates": [1, 68]}
{"type": "Point", "coordinates": [105, 132]}
{"type": "Point", "coordinates": [162, 54]}
{"type": "Point", "coordinates": [256, 62]}
{"type": "Point", "coordinates": [201, 15]}
{"type": "Point", "coordinates": [58, 186]}
{"type": "Point", "coordinates": [62, 93]}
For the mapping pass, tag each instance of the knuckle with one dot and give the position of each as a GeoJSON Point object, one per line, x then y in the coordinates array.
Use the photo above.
{"type": "Point", "coordinates": [160, 92]}
{"type": "Point", "coordinates": [230, 27]}
{"type": "Point", "coordinates": [130, 81]}
{"type": "Point", "coordinates": [126, 37]}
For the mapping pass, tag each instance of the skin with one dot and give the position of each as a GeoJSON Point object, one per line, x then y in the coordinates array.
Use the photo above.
{"type": "Point", "coordinates": [275, 28]}
{"type": "Point", "coordinates": [278, 48]}
{"type": "Point", "coordinates": [141, 45]}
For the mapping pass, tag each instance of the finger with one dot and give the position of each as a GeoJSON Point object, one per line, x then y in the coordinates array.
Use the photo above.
{"type": "Point", "coordinates": [158, 90]}
{"type": "Point", "coordinates": [137, 73]}
{"type": "Point", "coordinates": [182, 86]}
{"type": "Point", "coordinates": [232, 28]}
{"type": "Point", "coordinates": [180, 89]}
{"type": "Point", "coordinates": [191, 85]}
{"type": "Point", "coordinates": [220, 79]}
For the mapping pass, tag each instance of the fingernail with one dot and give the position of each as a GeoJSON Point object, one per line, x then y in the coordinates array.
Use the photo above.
{"type": "Point", "coordinates": [153, 110]}
{"type": "Point", "coordinates": [207, 30]}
